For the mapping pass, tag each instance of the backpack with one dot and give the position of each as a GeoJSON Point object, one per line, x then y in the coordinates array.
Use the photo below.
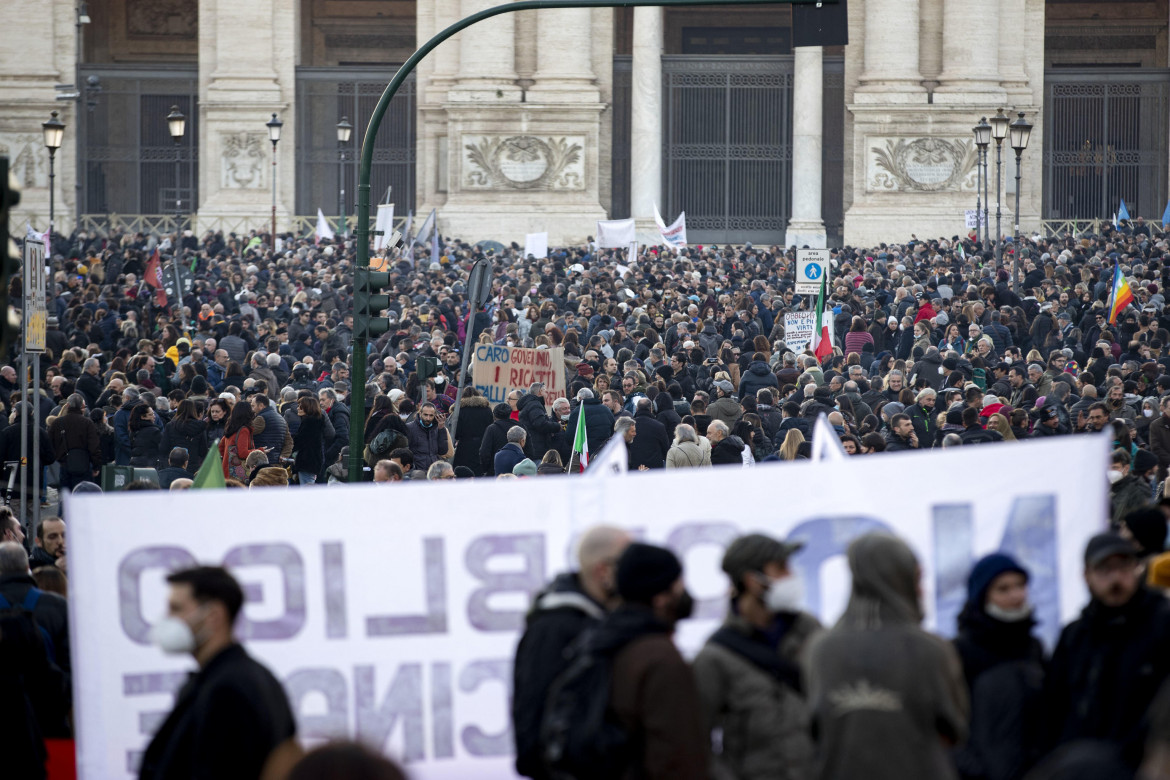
{"type": "Point", "coordinates": [235, 465]}
{"type": "Point", "coordinates": [28, 605]}
{"type": "Point", "coordinates": [578, 737]}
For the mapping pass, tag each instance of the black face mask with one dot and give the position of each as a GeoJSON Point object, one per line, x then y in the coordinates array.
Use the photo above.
{"type": "Point", "coordinates": [685, 606]}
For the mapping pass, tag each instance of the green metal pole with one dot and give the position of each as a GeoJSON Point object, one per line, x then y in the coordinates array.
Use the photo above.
{"type": "Point", "coordinates": [362, 234]}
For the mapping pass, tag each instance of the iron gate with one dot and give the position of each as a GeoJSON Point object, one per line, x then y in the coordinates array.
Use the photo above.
{"type": "Point", "coordinates": [1105, 139]}
{"type": "Point", "coordinates": [727, 160]}
{"type": "Point", "coordinates": [324, 96]}
{"type": "Point", "coordinates": [127, 154]}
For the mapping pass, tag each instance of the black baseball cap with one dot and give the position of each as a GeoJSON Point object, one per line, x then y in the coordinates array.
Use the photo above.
{"type": "Point", "coordinates": [1107, 545]}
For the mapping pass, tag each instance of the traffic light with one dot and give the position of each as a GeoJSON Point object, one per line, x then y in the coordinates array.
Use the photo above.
{"type": "Point", "coordinates": [367, 304]}
{"type": "Point", "coordinates": [10, 262]}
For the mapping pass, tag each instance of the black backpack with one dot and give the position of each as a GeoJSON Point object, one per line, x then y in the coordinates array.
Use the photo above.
{"type": "Point", "coordinates": [578, 736]}
{"type": "Point", "coordinates": [27, 609]}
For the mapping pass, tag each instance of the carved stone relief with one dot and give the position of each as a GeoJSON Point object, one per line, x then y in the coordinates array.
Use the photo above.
{"type": "Point", "coordinates": [243, 161]}
{"type": "Point", "coordinates": [921, 165]}
{"type": "Point", "coordinates": [27, 159]}
{"type": "Point", "coordinates": [523, 162]}
{"type": "Point", "coordinates": [178, 18]}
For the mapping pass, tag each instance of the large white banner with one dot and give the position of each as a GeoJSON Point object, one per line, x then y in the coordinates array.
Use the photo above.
{"type": "Point", "coordinates": [615, 233]}
{"type": "Point", "coordinates": [674, 236]}
{"type": "Point", "coordinates": [396, 620]}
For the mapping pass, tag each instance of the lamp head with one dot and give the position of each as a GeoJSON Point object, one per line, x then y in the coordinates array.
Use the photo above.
{"type": "Point", "coordinates": [1020, 131]}
{"type": "Point", "coordinates": [999, 125]}
{"type": "Point", "coordinates": [54, 132]}
{"type": "Point", "coordinates": [177, 124]}
{"type": "Point", "coordinates": [982, 133]}
{"type": "Point", "coordinates": [274, 126]}
{"type": "Point", "coordinates": [344, 129]}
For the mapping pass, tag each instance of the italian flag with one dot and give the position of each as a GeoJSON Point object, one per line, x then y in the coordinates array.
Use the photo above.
{"type": "Point", "coordinates": [580, 442]}
{"type": "Point", "coordinates": [822, 338]}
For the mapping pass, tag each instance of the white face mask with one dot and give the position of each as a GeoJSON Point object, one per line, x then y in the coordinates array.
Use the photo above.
{"type": "Point", "coordinates": [1148, 412]}
{"type": "Point", "coordinates": [1114, 475]}
{"type": "Point", "coordinates": [173, 636]}
{"type": "Point", "coordinates": [785, 595]}
{"type": "Point", "coordinates": [1009, 615]}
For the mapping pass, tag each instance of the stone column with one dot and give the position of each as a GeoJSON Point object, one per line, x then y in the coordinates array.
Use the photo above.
{"type": "Point", "coordinates": [971, 54]}
{"type": "Point", "coordinates": [930, 51]}
{"type": "Point", "coordinates": [487, 58]}
{"type": "Point", "coordinates": [1012, 44]}
{"type": "Point", "coordinates": [247, 71]}
{"type": "Point", "coordinates": [806, 226]}
{"type": "Point", "coordinates": [564, 69]}
{"type": "Point", "coordinates": [891, 53]}
{"type": "Point", "coordinates": [646, 122]}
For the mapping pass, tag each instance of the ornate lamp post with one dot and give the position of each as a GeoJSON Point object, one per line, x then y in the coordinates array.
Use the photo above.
{"type": "Point", "coordinates": [999, 131]}
{"type": "Point", "coordinates": [1020, 132]}
{"type": "Point", "coordinates": [177, 125]}
{"type": "Point", "coordinates": [344, 130]}
{"type": "Point", "coordinates": [54, 133]}
{"type": "Point", "coordinates": [274, 126]}
{"type": "Point", "coordinates": [982, 141]}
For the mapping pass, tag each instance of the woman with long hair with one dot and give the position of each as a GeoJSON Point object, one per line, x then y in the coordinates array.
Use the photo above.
{"type": "Point", "coordinates": [792, 442]}
{"type": "Point", "coordinates": [186, 430]}
{"type": "Point", "coordinates": [237, 442]}
{"type": "Point", "coordinates": [309, 440]}
{"type": "Point", "coordinates": [999, 423]}
{"type": "Point", "coordinates": [145, 437]}
{"type": "Point", "coordinates": [218, 412]}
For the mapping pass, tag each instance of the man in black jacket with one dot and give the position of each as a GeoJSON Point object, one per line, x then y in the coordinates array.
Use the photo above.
{"type": "Point", "coordinates": [1110, 663]}
{"type": "Point", "coordinates": [50, 611]}
{"type": "Point", "coordinates": [533, 418]}
{"type": "Point", "coordinates": [651, 444]}
{"type": "Point", "coordinates": [232, 714]}
{"type": "Point", "coordinates": [89, 384]}
{"type": "Point", "coordinates": [570, 604]}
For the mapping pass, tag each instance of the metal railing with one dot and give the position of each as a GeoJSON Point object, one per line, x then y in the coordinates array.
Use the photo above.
{"type": "Point", "coordinates": [162, 224]}
{"type": "Point", "coordinates": [1078, 227]}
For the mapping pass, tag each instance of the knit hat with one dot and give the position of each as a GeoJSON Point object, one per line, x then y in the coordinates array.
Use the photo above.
{"type": "Point", "coordinates": [753, 552]}
{"type": "Point", "coordinates": [584, 369]}
{"type": "Point", "coordinates": [198, 386]}
{"type": "Point", "coordinates": [644, 571]}
{"type": "Point", "coordinates": [525, 468]}
{"type": "Point", "coordinates": [502, 411]}
{"type": "Point", "coordinates": [986, 570]}
{"type": "Point", "coordinates": [725, 386]}
{"type": "Point", "coordinates": [1143, 461]}
{"type": "Point", "coordinates": [892, 408]}
{"type": "Point", "coordinates": [1148, 526]}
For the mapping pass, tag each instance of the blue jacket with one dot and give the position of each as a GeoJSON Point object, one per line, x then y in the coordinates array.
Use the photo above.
{"type": "Point", "coordinates": [507, 458]}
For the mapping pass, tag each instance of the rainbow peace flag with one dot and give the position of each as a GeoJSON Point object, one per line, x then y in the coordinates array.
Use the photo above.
{"type": "Point", "coordinates": [1121, 296]}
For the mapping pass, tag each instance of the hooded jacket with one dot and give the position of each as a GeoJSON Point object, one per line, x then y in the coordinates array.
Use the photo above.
{"type": "Point", "coordinates": [884, 694]}
{"type": "Point", "coordinates": [727, 452]}
{"type": "Point", "coordinates": [757, 376]}
{"type": "Point", "coordinates": [189, 434]}
{"type": "Point", "coordinates": [541, 430]}
{"type": "Point", "coordinates": [599, 422]}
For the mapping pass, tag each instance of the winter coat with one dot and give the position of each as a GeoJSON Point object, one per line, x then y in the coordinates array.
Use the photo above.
{"type": "Point", "coordinates": [475, 417]}
{"type": "Point", "coordinates": [884, 694]}
{"type": "Point", "coordinates": [760, 711]}
{"type": "Point", "coordinates": [339, 418]}
{"type": "Point", "coordinates": [653, 696]}
{"type": "Point", "coordinates": [494, 438]}
{"type": "Point", "coordinates": [727, 452]}
{"type": "Point", "coordinates": [1127, 494]}
{"type": "Point", "coordinates": [1159, 437]}
{"type": "Point", "coordinates": [144, 446]}
{"type": "Point", "coordinates": [309, 443]}
{"type": "Point", "coordinates": [599, 422]}
{"type": "Point", "coordinates": [1106, 670]}
{"type": "Point", "coordinates": [669, 418]}
{"type": "Point", "coordinates": [242, 439]}
{"type": "Point", "coordinates": [687, 454]}
{"type": "Point", "coordinates": [506, 459]}
{"type": "Point", "coordinates": [924, 424]}
{"type": "Point", "coordinates": [427, 444]}
{"type": "Point", "coordinates": [559, 614]}
{"type": "Point", "coordinates": [757, 376]}
{"type": "Point", "coordinates": [75, 431]}
{"type": "Point", "coordinates": [1003, 665]}
{"type": "Point", "coordinates": [51, 613]}
{"type": "Point", "coordinates": [188, 434]}
{"type": "Point", "coordinates": [90, 387]}
{"type": "Point", "coordinates": [542, 432]}
{"type": "Point", "coordinates": [725, 409]}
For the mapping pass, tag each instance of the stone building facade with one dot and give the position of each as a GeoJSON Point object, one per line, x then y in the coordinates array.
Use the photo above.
{"type": "Point", "coordinates": [551, 120]}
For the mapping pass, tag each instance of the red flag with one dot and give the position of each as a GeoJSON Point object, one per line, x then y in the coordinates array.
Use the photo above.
{"type": "Point", "coordinates": [153, 278]}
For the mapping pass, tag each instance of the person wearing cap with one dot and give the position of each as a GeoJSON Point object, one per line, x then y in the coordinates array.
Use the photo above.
{"type": "Point", "coordinates": [725, 407]}
{"type": "Point", "coordinates": [887, 698]}
{"type": "Point", "coordinates": [572, 603]}
{"type": "Point", "coordinates": [653, 695]}
{"type": "Point", "coordinates": [1047, 423]}
{"type": "Point", "coordinates": [1003, 665]}
{"type": "Point", "coordinates": [1109, 663]}
{"type": "Point", "coordinates": [749, 676]}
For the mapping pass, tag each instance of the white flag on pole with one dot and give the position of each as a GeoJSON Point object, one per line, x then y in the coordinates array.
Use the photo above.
{"type": "Point", "coordinates": [536, 245]}
{"type": "Point", "coordinates": [612, 461]}
{"type": "Point", "coordinates": [826, 444]}
{"type": "Point", "coordinates": [424, 230]}
{"type": "Point", "coordinates": [615, 233]}
{"type": "Point", "coordinates": [674, 236]}
{"type": "Point", "coordinates": [384, 223]}
{"type": "Point", "coordinates": [323, 229]}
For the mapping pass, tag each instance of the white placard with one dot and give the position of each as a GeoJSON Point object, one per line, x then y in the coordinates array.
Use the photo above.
{"type": "Point", "coordinates": [798, 329]}
{"type": "Point", "coordinates": [615, 233]}
{"type": "Point", "coordinates": [396, 621]}
{"type": "Point", "coordinates": [536, 245]}
{"type": "Point", "coordinates": [811, 267]}
{"type": "Point", "coordinates": [974, 218]}
{"type": "Point", "coordinates": [384, 223]}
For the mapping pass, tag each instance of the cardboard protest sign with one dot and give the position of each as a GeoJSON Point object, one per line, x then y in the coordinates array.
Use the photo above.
{"type": "Point", "coordinates": [497, 370]}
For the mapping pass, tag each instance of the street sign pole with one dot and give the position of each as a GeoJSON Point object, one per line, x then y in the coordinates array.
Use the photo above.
{"type": "Point", "coordinates": [35, 317]}
{"type": "Point", "coordinates": [366, 164]}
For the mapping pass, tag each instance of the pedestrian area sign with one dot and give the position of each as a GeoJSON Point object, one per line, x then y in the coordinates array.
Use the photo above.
{"type": "Point", "coordinates": [811, 267]}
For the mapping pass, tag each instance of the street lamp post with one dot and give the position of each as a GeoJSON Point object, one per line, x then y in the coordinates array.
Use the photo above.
{"type": "Point", "coordinates": [982, 140]}
{"type": "Point", "coordinates": [1020, 131]}
{"type": "Point", "coordinates": [344, 130]}
{"type": "Point", "coordinates": [54, 132]}
{"type": "Point", "coordinates": [274, 126]}
{"type": "Point", "coordinates": [999, 130]}
{"type": "Point", "coordinates": [177, 125]}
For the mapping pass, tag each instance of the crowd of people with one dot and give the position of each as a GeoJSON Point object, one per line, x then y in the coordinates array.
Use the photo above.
{"type": "Point", "coordinates": [684, 356]}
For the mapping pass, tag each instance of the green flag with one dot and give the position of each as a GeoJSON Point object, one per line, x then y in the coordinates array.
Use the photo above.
{"type": "Point", "coordinates": [211, 472]}
{"type": "Point", "coordinates": [580, 441]}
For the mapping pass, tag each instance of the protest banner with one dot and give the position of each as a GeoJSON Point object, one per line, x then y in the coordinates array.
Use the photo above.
{"type": "Point", "coordinates": [798, 329]}
{"type": "Point", "coordinates": [536, 245]}
{"type": "Point", "coordinates": [674, 236]}
{"type": "Point", "coordinates": [615, 233]}
{"type": "Point", "coordinates": [497, 370]}
{"type": "Point", "coordinates": [402, 633]}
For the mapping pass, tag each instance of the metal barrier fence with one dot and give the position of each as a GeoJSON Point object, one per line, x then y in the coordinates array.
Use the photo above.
{"type": "Point", "coordinates": [1085, 227]}
{"type": "Point", "coordinates": [162, 224]}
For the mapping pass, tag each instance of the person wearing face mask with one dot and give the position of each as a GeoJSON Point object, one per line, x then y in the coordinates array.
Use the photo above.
{"type": "Point", "coordinates": [230, 715]}
{"type": "Point", "coordinates": [1003, 666]}
{"type": "Point", "coordinates": [652, 693]}
{"type": "Point", "coordinates": [749, 676]}
{"type": "Point", "coordinates": [572, 603]}
{"type": "Point", "coordinates": [887, 698]}
{"type": "Point", "coordinates": [1127, 491]}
